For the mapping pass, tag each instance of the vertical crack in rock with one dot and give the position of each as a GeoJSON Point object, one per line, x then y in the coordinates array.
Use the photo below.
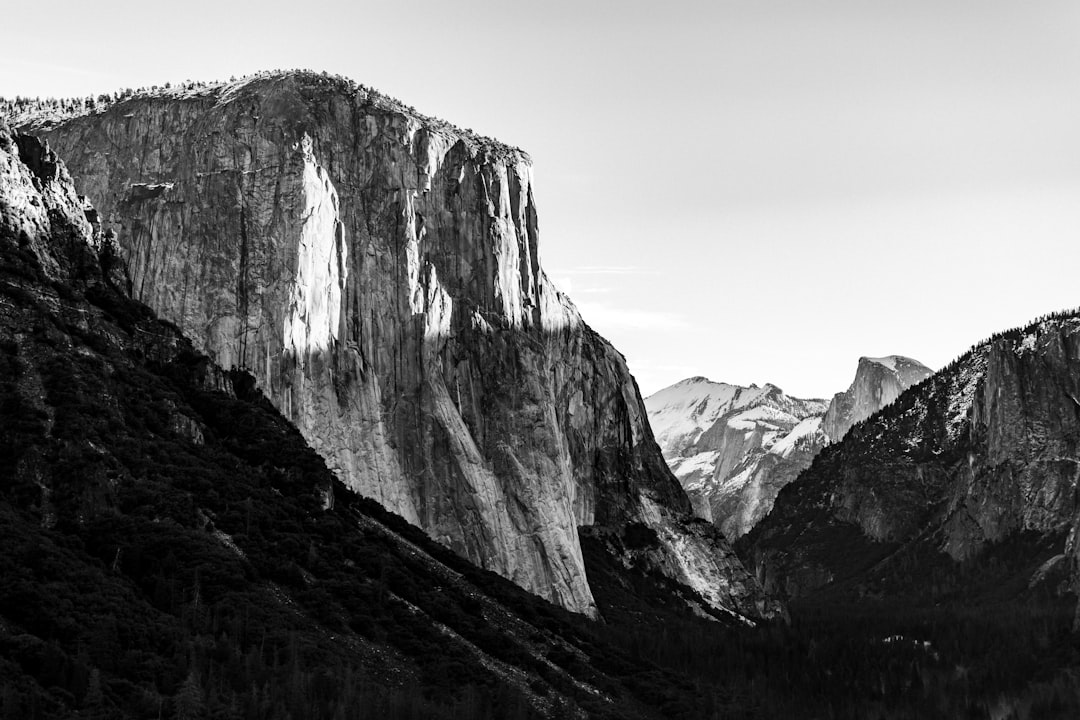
{"type": "Point", "coordinates": [242, 281]}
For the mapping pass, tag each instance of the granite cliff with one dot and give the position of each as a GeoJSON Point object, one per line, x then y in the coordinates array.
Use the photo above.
{"type": "Point", "coordinates": [167, 546]}
{"type": "Point", "coordinates": [377, 271]}
{"type": "Point", "coordinates": [878, 382]}
{"type": "Point", "coordinates": [981, 458]}
{"type": "Point", "coordinates": [733, 448]}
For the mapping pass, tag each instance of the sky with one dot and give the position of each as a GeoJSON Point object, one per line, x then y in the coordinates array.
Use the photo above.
{"type": "Point", "coordinates": [750, 190]}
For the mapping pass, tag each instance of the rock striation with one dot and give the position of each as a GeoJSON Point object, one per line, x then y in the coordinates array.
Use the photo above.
{"type": "Point", "coordinates": [980, 454]}
{"type": "Point", "coordinates": [733, 448]}
{"type": "Point", "coordinates": [378, 273]}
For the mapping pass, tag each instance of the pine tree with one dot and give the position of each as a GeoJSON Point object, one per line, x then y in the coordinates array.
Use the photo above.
{"type": "Point", "coordinates": [188, 701]}
{"type": "Point", "coordinates": [94, 699]}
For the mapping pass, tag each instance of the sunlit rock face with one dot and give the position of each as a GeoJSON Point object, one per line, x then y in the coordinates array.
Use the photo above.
{"type": "Point", "coordinates": [40, 208]}
{"type": "Point", "coordinates": [378, 272]}
{"type": "Point", "coordinates": [313, 315]}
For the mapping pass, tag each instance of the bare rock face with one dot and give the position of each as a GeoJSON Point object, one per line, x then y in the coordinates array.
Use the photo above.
{"type": "Point", "coordinates": [878, 382]}
{"type": "Point", "coordinates": [41, 209]}
{"type": "Point", "coordinates": [734, 447]}
{"type": "Point", "coordinates": [378, 272]}
{"type": "Point", "coordinates": [985, 452]}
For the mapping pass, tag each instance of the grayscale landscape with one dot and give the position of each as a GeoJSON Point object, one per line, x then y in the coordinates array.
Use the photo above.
{"type": "Point", "coordinates": [315, 403]}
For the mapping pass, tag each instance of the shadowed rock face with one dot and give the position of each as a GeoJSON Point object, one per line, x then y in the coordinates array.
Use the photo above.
{"type": "Point", "coordinates": [980, 452]}
{"type": "Point", "coordinates": [378, 272]}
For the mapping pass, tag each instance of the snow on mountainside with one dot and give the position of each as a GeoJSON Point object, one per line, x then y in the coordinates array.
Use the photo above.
{"type": "Point", "coordinates": [729, 445]}
{"type": "Point", "coordinates": [734, 447]}
{"type": "Point", "coordinates": [681, 412]}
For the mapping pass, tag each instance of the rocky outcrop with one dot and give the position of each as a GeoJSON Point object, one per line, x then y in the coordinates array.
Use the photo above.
{"type": "Point", "coordinates": [734, 447]}
{"type": "Point", "coordinates": [984, 452]}
{"type": "Point", "coordinates": [378, 272]}
{"type": "Point", "coordinates": [878, 382]}
{"type": "Point", "coordinates": [41, 210]}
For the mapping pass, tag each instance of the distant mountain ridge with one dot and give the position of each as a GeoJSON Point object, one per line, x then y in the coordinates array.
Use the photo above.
{"type": "Point", "coordinates": [733, 448]}
{"type": "Point", "coordinates": [728, 443]}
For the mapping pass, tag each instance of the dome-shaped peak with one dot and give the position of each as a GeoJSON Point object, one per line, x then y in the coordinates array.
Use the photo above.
{"type": "Point", "coordinates": [892, 362]}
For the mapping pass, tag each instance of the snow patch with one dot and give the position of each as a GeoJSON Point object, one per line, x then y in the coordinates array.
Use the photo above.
{"type": "Point", "coordinates": [807, 428]}
{"type": "Point", "coordinates": [702, 464]}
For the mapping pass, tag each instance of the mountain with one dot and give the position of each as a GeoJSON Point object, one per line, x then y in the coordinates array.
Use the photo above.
{"type": "Point", "coordinates": [173, 548]}
{"type": "Point", "coordinates": [976, 464]}
{"type": "Point", "coordinates": [878, 382]}
{"type": "Point", "coordinates": [377, 272]}
{"type": "Point", "coordinates": [733, 448]}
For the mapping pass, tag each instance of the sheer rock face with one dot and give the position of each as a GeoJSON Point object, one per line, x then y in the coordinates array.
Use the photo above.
{"type": "Point", "coordinates": [378, 273]}
{"type": "Point", "coordinates": [985, 449]}
{"type": "Point", "coordinates": [878, 382]}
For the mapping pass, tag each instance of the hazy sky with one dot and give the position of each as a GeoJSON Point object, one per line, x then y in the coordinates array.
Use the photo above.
{"type": "Point", "coordinates": [752, 190]}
